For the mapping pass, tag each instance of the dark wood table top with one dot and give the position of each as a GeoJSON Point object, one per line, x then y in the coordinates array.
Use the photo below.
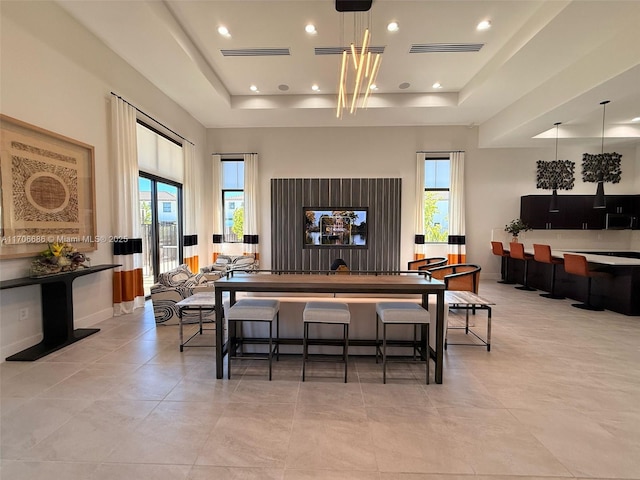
{"type": "Point", "coordinates": [335, 283]}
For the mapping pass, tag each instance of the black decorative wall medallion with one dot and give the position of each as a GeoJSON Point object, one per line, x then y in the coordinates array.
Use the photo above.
{"type": "Point", "coordinates": [555, 174]}
{"type": "Point", "coordinates": [602, 167]}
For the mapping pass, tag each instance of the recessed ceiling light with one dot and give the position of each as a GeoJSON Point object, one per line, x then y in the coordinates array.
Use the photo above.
{"type": "Point", "coordinates": [253, 88]}
{"type": "Point", "coordinates": [393, 27]}
{"type": "Point", "coordinates": [283, 87]}
{"type": "Point", "coordinates": [373, 86]}
{"type": "Point", "coordinates": [224, 31]}
{"type": "Point", "coordinates": [404, 85]}
{"type": "Point", "coordinates": [315, 87]}
{"type": "Point", "coordinates": [637, 119]}
{"type": "Point", "coordinates": [484, 25]}
{"type": "Point", "coordinates": [310, 28]}
{"type": "Point", "coordinates": [437, 85]}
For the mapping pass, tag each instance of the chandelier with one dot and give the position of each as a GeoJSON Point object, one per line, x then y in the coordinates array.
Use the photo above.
{"type": "Point", "coordinates": [358, 69]}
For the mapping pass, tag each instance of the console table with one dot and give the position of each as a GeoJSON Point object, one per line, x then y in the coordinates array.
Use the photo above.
{"type": "Point", "coordinates": [57, 311]}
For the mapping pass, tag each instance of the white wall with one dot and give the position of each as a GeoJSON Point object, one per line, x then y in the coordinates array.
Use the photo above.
{"type": "Point", "coordinates": [495, 178]}
{"type": "Point", "coordinates": [59, 77]}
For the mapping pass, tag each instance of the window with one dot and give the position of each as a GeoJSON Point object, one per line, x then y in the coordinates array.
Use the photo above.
{"type": "Point", "coordinates": [233, 199]}
{"type": "Point", "coordinates": [160, 203]}
{"type": "Point", "coordinates": [436, 199]}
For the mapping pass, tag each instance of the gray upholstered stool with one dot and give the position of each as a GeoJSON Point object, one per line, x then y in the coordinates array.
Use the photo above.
{"type": "Point", "coordinates": [330, 313]}
{"type": "Point", "coordinates": [255, 310]}
{"type": "Point", "coordinates": [401, 313]}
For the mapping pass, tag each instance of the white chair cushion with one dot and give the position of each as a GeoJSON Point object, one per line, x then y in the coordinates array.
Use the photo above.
{"type": "Point", "coordinates": [326, 312]}
{"type": "Point", "coordinates": [244, 260]}
{"type": "Point", "coordinates": [402, 312]}
{"type": "Point", "coordinates": [254, 309]}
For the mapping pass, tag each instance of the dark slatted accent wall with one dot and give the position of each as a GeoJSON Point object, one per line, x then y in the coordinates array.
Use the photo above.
{"type": "Point", "coordinates": [381, 196]}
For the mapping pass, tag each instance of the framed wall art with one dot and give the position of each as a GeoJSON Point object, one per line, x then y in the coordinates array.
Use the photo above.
{"type": "Point", "coordinates": [47, 190]}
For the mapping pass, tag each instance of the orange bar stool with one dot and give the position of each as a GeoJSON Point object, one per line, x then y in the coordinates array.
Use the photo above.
{"type": "Point", "coordinates": [542, 254]}
{"type": "Point", "coordinates": [498, 249]}
{"type": "Point", "coordinates": [516, 250]}
{"type": "Point", "coordinates": [578, 265]}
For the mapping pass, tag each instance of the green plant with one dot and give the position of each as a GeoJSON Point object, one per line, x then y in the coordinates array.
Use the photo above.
{"type": "Point", "coordinates": [238, 223]}
{"type": "Point", "coordinates": [434, 232]}
{"type": "Point", "coordinates": [58, 257]}
{"type": "Point", "coordinates": [516, 226]}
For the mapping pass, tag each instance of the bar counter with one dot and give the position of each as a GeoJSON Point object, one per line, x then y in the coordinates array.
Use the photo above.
{"type": "Point", "coordinates": [619, 292]}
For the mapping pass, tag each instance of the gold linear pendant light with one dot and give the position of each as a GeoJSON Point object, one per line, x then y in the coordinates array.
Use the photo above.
{"type": "Point", "coordinates": [365, 68]}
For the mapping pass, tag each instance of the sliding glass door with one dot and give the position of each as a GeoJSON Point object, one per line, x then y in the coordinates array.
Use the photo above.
{"type": "Point", "coordinates": [161, 217]}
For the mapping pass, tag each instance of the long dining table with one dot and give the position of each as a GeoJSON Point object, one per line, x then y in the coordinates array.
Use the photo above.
{"type": "Point", "coordinates": [383, 284]}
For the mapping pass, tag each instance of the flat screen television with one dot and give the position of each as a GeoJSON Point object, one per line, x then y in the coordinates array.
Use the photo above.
{"type": "Point", "coordinates": [335, 227]}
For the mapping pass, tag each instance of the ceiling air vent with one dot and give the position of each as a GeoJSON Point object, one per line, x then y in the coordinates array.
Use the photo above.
{"type": "Point", "coordinates": [339, 50]}
{"type": "Point", "coordinates": [255, 52]}
{"type": "Point", "coordinates": [445, 47]}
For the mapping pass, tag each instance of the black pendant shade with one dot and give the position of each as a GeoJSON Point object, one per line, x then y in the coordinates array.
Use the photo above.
{"type": "Point", "coordinates": [553, 206]}
{"type": "Point", "coordinates": [599, 200]}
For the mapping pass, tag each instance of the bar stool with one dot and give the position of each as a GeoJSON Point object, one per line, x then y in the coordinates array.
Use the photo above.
{"type": "Point", "coordinates": [254, 310]}
{"type": "Point", "coordinates": [516, 250]}
{"type": "Point", "coordinates": [401, 313]}
{"type": "Point", "coordinates": [498, 249]}
{"type": "Point", "coordinates": [578, 265]}
{"type": "Point", "coordinates": [542, 254]}
{"type": "Point", "coordinates": [334, 313]}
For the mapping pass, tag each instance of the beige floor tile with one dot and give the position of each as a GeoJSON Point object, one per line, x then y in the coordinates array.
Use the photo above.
{"type": "Point", "coordinates": [92, 434]}
{"type": "Point", "coordinates": [149, 382]}
{"type": "Point", "coordinates": [557, 397]}
{"type": "Point", "coordinates": [329, 475]}
{"type": "Point", "coordinates": [17, 470]}
{"type": "Point", "coordinates": [247, 442]}
{"type": "Point", "coordinates": [38, 378]}
{"type": "Point", "coordinates": [108, 471]}
{"type": "Point", "coordinates": [173, 433]}
{"type": "Point", "coordinates": [341, 445]}
{"type": "Point", "coordinates": [589, 444]}
{"type": "Point", "coordinates": [234, 473]}
{"type": "Point", "coordinates": [35, 420]}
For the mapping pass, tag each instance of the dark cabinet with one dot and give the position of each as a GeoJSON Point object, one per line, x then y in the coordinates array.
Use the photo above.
{"type": "Point", "coordinates": [576, 212]}
{"type": "Point", "coordinates": [628, 204]}
{"type": "Point", "coordinates": [534, 211]}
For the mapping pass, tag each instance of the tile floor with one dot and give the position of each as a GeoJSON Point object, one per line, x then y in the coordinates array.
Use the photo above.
{"type": "Point", "coordinates": [558, 396]}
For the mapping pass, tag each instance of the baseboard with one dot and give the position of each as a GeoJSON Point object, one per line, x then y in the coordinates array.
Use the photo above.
{"type": "Point", "coordinates": [491, 276]}
{"type": "Point", "coordinates": [20, 345]}
{"type": "Point", "coordinates": [91, 320]}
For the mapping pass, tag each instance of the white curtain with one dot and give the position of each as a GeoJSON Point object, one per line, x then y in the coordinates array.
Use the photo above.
{"type": "Point", "coordinates": [419, 251]}
{"type": "Point", "coordinates": [217, 206]}
{"type": "Point", "coordinates": [192, 205]}
{"type": "Point", "coordinates": [457, 241]}
{"type": "Point", "coordinates": [251, 198]}
{"type": "Point", "coordinates": [128, 291]}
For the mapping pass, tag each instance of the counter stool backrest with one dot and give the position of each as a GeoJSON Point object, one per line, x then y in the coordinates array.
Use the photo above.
{"type": "Point", "coordinates": [542, 253]}
{"type": "Point", "coordinates": [576, 264]}
{"type": "Point", "coordinates": [498, 249]}
{"type": "Point", "coordinates": [516, 250]}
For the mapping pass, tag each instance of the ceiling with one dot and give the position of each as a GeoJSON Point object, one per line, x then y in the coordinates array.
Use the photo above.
{"type": "Point", "coordinates": [541, 62]}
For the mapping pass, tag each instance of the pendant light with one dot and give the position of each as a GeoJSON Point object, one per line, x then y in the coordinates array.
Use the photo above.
{"type": "Point", "coordinates": [599, 201]}
{"type": "Point", "coordinates": [553, 206]}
